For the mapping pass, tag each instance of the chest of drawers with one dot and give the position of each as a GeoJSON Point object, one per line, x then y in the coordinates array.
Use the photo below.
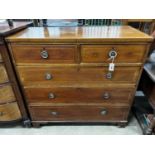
{"type": "Point", "coordinates": [65, 77]}
{"type": "Point", "coordinates": [12, 107]}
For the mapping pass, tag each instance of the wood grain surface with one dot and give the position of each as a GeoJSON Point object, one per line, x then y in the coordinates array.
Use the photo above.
{"type": "Point", "coordinates": [9, 112]}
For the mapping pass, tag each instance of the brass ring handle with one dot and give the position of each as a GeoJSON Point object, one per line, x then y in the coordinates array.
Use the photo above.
{"type": "Point", "coordinates": [54, 113]}
{"type": "Point", "coordinates": [48, 76]}
{"type": "Point", "coordinates": [44, 54]}
{"type": "Point", "coordinates": [109, 75]}
{"type": "Point", "coordinates": [106, 95]}
{"type": "Point", "coordinates": [103, 112]}
{"type": "Point", "coordinates": [112, 53]}
{"type": "Point", "coordinates": [51, 96]}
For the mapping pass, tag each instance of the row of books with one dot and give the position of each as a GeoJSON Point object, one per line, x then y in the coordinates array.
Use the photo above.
{"type": "Point", "coordinates": [99, 22]}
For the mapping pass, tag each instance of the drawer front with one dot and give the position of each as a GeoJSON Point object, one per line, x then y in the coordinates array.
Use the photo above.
{"type": "Point", "coordinates": [44, 54]}
{"type": "Point", "coordinates": [1, 60]}
{"type": "Point", "coordinates": [9, 112]}
{"type": "Point", "coordinates": [49, 75]}
{"type": "Point", "coordinates": [78, 113]}
{"type": "Point", "coordinates": [6, 94]}
{"type": "Point", "coordinates": [125, 53]}
{"type": "Point", "coordinates": [79, 95]}
{"type": "Point", "coordinates": [3, 74]}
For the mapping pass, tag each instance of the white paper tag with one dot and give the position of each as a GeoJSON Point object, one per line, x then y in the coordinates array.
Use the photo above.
{"type": "Point", "coordinates": [111, 67]}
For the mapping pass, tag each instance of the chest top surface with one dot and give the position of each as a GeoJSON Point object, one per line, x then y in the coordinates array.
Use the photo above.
{"type": "Point", "coordinates": [80, 34]}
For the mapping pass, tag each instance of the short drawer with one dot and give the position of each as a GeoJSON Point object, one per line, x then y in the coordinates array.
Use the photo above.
{"type": "Point", "coordinates": [112, 96]}
{"type": "Point", "coordinates": [1, 60]}
{"type": "Point", "coordinates": [48, 75]}
{"type": "Point", "coordinates": [6, 94]}
{"type": "Point", "coordinates": [44, 53]}
{"type": "Point", "coordinates": [100, 53]}
{"type": "Point", "coordinates": [3, 74]}
{"type": "Point", "coordinates": [79, 113]}
{"type": "Point", "coordinates": [9, 112]}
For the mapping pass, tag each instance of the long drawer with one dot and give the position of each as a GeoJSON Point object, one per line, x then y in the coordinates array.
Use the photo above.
{"type": "Point", "coordinates": [125, 53]}
{"type": "Point", "coordinates": [79, 113]}
{"type": "Point", "coordinates": [89, 95]}
{"type": "Point", "coordinates": [44, 53]}
{"type": "Point", "coordinates": [49, 75]}
{"type": "Point", "coordinates": [3, 74]}
{"type": "Point", "coordinates": [9, 112]}
{"type": "Point", "coordinates": [6, 94]}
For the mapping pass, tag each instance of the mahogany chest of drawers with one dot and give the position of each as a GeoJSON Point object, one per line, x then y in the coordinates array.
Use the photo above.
{"type": "Point", "coordinates": [79, 74]}
{"type": "Point", "coordinates": [12, 107]}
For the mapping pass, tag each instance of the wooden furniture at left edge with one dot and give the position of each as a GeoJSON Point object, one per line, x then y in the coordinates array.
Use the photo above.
{"type": "Point", "coordinates": [12, 107]}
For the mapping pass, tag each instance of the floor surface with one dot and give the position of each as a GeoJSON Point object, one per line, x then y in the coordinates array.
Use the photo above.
{"type": "Point", "coordinates": [133, 128]}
